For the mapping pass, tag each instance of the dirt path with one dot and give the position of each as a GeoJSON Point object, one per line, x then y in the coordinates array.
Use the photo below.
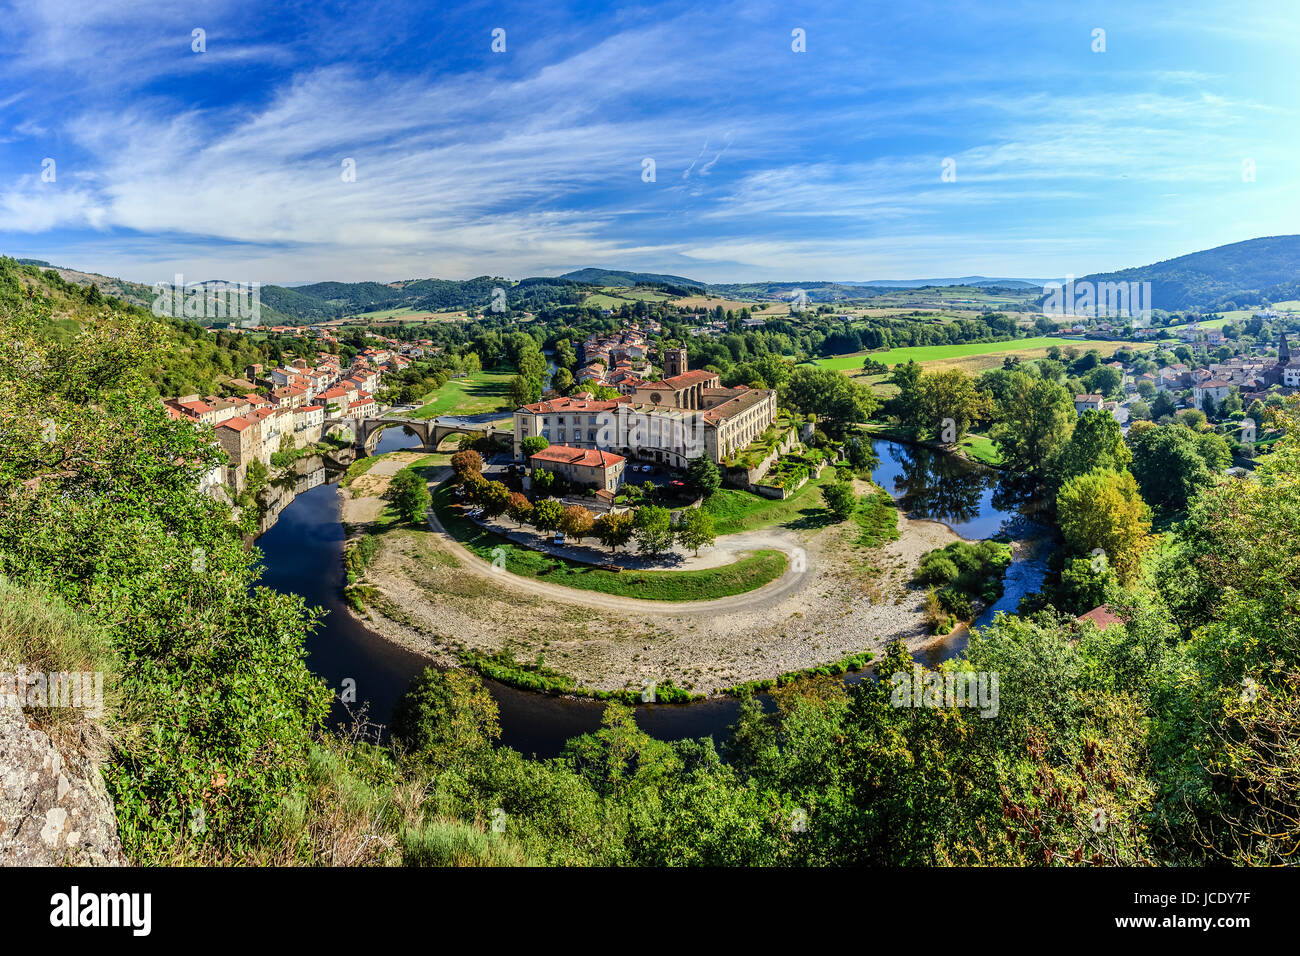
{"type": "Point", "coordinates": [733, 545]}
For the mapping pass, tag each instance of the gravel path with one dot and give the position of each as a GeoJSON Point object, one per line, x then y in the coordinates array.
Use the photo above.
{"type": "Point", "coordinates": [437, 597]}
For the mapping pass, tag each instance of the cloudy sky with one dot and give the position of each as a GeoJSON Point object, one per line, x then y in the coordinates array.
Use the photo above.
{"type": "Point", "coordinates": [768, 162]}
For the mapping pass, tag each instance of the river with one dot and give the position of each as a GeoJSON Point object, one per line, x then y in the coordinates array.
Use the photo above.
{"type": "Point", "coordinates": [302, 553]}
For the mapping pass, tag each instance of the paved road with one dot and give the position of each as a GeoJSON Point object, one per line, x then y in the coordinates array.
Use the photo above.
{"type": "Point", "coordinates": [769, 595]}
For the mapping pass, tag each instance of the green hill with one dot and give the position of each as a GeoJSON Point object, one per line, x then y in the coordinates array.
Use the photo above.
{"type": "Point", "coordinates": [1241, 273]}
{"type": "Point", "coordinates": [621, 279]}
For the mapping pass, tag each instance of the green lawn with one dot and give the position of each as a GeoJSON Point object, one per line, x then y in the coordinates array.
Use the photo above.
{"type": "Point", "coordinates": [734, 510]}
{"type": "Point", "coordinates": [475, 394]}
{"type": "Point", "coordinates": [744, 575]}
{"type": "Point", "coordinates": [937, 353]}
{"type": "Point", "coordinates": [981, 448]}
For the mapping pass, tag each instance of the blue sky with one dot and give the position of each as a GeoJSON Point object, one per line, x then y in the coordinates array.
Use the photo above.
{"type": "Point", "coordinates": [769, 163]}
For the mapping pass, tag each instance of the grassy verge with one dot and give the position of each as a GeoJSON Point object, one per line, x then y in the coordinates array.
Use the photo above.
{"type": "Point", "coordinates": [854, 662]}
{"type": "Point", "coordinates": [734, 510]}
{"type": "Point", "coordinates": [877, 516]}
{"type": "Point", "coordinates": [502, 666]}
{"type": "Point", "coordinates": [744, 575]}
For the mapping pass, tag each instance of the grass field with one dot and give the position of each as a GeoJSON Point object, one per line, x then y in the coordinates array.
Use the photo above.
{"type": "Point", "coordinates": [974, 357]}
{"type": "Point", "coordinates": [937, 353]}
{"type": "Point", "coordinates": [475, 394]}
{"type": "Point", "coordinates": [744, 575]}
{"type": "Point", "coordinates": [735, 511]}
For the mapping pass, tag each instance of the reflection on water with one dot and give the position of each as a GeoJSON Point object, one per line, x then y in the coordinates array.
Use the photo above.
{"type": "Point", "coordinates": [302, 553]}
{"type": "Point", "coordinates": [967, 497]}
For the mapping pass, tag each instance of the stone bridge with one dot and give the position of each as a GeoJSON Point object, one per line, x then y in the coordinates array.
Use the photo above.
{"type": "Point", "coordinates": [430, 431]}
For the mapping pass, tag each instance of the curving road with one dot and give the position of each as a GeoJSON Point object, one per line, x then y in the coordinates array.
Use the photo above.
{"type": "Point", "coordinates": [768, 595]}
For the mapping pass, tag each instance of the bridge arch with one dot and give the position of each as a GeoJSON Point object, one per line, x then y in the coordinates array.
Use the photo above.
{"type": "Point", "coordinates": [430, 431]}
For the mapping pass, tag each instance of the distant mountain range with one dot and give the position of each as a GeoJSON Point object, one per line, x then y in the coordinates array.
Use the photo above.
{"type": "Point", "coordinates": [1242, 273]}
{"type": "Point", "coordinates": [978, 282]}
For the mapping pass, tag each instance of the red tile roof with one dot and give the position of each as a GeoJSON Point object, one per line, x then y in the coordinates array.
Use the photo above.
{"type": "Point", "coordinates": [569, 404]}
{"type": "Point", "coordinates": [1102, 616]}
{"type": "Point", "coordinates": [565, 454]}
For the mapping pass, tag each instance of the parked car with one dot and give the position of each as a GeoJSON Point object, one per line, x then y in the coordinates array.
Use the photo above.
{"type": "Point", "coordinates": [558, 539]}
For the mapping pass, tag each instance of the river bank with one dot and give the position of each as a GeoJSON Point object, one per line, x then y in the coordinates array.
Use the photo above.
{"type": "Point", "coordinates": [303, 554]}
{"type": "Point", "coordinates": [430, 594]}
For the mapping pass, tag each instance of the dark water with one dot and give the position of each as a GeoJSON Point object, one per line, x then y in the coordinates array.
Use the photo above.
{"type": "Point", "coordinates": [967, 497]}
{"type": "Point", "coordinates": [302, 553]}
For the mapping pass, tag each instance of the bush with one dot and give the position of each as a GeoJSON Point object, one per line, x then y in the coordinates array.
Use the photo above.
{"type": "Point", "coordinates": [936, 568]}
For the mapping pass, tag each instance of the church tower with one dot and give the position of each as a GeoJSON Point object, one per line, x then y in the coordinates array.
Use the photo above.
{"type": "Point", "coordinates": [674, 362]}
{"type": "Point", "coordinates": [1283, 350]}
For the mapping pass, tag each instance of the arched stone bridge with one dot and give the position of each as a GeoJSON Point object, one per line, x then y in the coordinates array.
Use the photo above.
{"type": "Point", "coordinates": [430, 431]}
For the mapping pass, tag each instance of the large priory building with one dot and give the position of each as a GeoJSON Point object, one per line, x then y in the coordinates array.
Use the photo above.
{"type": "Point", "coordinates": [667, 422]}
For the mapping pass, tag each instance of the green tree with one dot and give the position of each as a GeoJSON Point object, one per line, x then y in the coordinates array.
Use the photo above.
{"type": "Point", "coordinates": [828, 394]}
{"type": "Point", "coordinates": [524, 391]}
{"type": "Point", "coordinates": [445, 718]}
{"type": "Point", "coordinates": [1104, 380]}
{"type": "Point", "coordinates": [613, 529]}
{"type": "Point", "coordinates": [653, 525]}
{"type": "Point", "coordinates": [410, 495]}
{"type": "Point", "coordinates": [495, 498]}
{"type": "Point", "coordinates": [547, 514]}
{"type": "Point", "coordinates": [1095, 442]}
{"type": "Point", "coordinates": [907, 404]}
{"type": "Point", "coordinates": [562, 381]}
{"type": "Point", "coordinates": [1163, 406]}
{"type": "Point", "coordinates": [702, 476]}
{"type": "Point", "coordinates": [950, 396]}
{"type": "Point", "coordinates": [1031, 421]}
{"type": "Point", "coordinates": [1169, 464]}
{"type": "Point", "coordinates": [533, 444]}
{"type": "Point", "coordinates": [840, 499]}
{"type": "Point", "coordinates": [695, 530]}
{"type": "Point", "coordinates": [1102, 509]}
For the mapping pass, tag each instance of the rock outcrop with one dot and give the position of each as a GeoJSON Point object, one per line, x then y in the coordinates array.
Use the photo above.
{"type": "Point", "coordinates": [53, 811]}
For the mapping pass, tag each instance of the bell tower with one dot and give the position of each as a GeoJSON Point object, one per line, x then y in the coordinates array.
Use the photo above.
{"type": "Point", "coordinates": [1283, 350]}
{"type": "Point", "coordinates": [674, 362]}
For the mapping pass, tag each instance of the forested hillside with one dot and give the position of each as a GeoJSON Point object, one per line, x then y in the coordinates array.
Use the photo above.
{"type": "Point", "coordinates": [1239, 274]}
{"type": "Point", "coordinates": [182, 358]}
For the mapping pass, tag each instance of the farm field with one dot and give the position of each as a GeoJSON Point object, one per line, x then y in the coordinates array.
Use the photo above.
{"type": "Point", "coordinates": [972, 356]}
{"type": "Point", "coordinates": [936, 353]}
{"type": "Point", "coordinates": [475, 394]}
{"type": "Point", "coordinates": [406, 314]}
{"type": "Point", "coordinates": [735, 305]}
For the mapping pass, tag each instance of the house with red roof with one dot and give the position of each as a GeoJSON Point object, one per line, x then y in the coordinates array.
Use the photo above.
{"type": "Point", "coordinates": [583, 467]}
